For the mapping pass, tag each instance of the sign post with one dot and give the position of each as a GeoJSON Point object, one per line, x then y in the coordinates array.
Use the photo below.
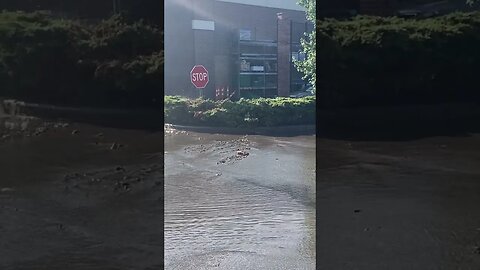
{"type": "Point", "coordinates": [199, 77]}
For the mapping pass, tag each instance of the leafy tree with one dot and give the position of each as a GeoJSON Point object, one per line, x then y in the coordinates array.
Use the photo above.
{"type": "Point", "coordinates": [308, 66]}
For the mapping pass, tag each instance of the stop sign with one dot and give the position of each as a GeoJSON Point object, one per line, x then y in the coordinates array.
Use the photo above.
{"type": "Point", "coordinates": [199, 76]}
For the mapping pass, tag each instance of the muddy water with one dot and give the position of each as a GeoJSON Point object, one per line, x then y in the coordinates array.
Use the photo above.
{"type": "Point", "coordinates": [397, 205]}
{"type": "Point", "coordinates": [69, 200]}
{"type": "Point", "coordinates": [234, 202]}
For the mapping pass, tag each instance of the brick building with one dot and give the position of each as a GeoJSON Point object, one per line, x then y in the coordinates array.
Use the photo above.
{"type": "Point", "coordinates": [246, 45]}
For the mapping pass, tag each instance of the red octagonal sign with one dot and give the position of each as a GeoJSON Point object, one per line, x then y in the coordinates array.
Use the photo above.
{"type": "Point", "coordinates": [199, 76]}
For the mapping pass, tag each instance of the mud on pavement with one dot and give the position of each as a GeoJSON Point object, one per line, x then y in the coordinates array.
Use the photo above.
{"type": "Point", "coordinates": [230, 150]}
{"type": "Point", "coordinates": [239, 202]}
{"type": "Point", "coordinates": [76, 196]}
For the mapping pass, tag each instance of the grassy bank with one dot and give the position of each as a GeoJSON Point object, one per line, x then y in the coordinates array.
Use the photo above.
{"type": "Point", "coordinates": [243, 113]}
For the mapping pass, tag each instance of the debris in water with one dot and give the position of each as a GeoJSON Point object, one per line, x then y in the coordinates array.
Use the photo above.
{"type": "Point", "coordinates": [60, 125]}
{"type": "Point", "coordinates": [95, 180]}
{"type": "Point", "coordinates": [115, 146]}
{"type": "Point", "coordinates": [60, 227]}
{"type": "Point", "coordinates": [169, 129]}
{"type": "Point", "coordinates": [242, 153]}
{"type": "Point", "coordinates": [7, 189]}
{"type": "Point", "coordinates": [39, 131]}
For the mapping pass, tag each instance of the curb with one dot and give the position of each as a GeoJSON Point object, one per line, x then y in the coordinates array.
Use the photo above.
{"type": "Point", "coordinates": [293, 130]}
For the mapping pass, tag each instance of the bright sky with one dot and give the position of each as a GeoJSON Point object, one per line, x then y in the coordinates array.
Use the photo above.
{"type": "Point", "coordinates": [284, 4]}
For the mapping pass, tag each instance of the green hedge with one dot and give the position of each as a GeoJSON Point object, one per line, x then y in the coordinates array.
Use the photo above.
{"type": "Point", "coordinates": [242, 113]}
{"type": "Point", "coordinates": [363, 61]}
{"type": "Point", "coordinates": [373, 60]}
{"type": "Point", "coordinates": [115, 62]}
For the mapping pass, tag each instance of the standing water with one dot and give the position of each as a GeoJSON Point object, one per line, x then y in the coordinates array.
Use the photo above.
{"type": "Point", "coordinates": [234, 202]}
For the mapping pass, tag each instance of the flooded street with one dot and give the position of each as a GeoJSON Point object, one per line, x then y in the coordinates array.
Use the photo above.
{"type": "Point", "coordinates": [399, 204]}
{"type": "Point", "coordinates": [239, 202]}
{"type": "Point", "coordinates": [77, 196]}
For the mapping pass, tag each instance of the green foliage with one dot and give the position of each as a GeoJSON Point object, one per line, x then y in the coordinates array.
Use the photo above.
{"type": "Point", "coordinates": [35, 49]}
{"type": "Point", "coordinates": [243, 113]}
{"type": "Point", "coordinates": [118, 38]}
{"type": "Point", "coordinates": [115, 62]}
{"type": "Point", "coordinates": [177, 110]}
{"type": "Point", "coordinates": [380, 61]}
{"type": "Point", "coordinates": [308, 66]}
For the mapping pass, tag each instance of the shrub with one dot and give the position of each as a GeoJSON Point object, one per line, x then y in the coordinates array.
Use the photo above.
{"type": "Point", "coordinates": [117, 38]}
{"type": "Point", "coordinates": [373, 60]}
{"type": "Point", "coordinates": [37, 54]}
{"type": "Point", "coordinates": [242, 113]}
{"type": "Point", "coordinates": [113, 63]}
